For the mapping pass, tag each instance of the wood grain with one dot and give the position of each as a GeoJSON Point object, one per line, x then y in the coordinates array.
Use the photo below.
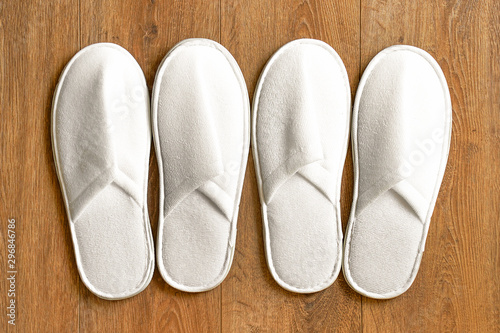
{"type": "Point", "coordinates": [458, 286]}
{"type": "Point", "coordinates": [148, 29]}
{"type": "Point", "coordinates": [458, 281]}
{"type": "Point", "coordinates": [252, 301]}
{"type": "Point", "coordinates": [31, 61]}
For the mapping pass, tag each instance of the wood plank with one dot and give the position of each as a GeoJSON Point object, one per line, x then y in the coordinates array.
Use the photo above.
{"type": "Point", "coordinates": [457, 288]}
{"type": "Point", "coordinates": [32, 55]}
{"type": "Point", "coordinates": [252, 31]}
{"type": "Point", "coordinates": [148, 30]}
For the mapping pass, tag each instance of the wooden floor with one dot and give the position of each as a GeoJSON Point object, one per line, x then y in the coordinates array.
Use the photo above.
{"type": "Point", "coordinates": [458, 286]}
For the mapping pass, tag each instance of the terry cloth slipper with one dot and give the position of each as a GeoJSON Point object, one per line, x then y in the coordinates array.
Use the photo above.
{"type": "Point", "coordinates": [401, 133]}
{"type": "Point", "coordinates": [101, 142]}
{"type": "Point", "coordinates": [200, 112]}
{"type": "Point", "coordinates": [301, 115]}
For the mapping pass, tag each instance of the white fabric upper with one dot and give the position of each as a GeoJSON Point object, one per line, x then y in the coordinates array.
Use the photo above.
{"type": "Point", "coordinates": [101, 91]}
{"type": "Point", "coordinates": [101, 139]}
{"type": "Point", "coordinates": [401, 135]}
{"type": "Point", "coordinates": [301, 122]}
{"type": "Point", "coordinates": [201, 120]}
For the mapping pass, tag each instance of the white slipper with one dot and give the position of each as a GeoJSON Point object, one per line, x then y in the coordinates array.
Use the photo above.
{"type": "Point", "coordinates": [300, 131]}
{"type": "Point", "coordinates": [401, 131]}
{"type": "Point", "coordinates": [200, 112]}
{"type": "Point", "coordinates": [101, 142]}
